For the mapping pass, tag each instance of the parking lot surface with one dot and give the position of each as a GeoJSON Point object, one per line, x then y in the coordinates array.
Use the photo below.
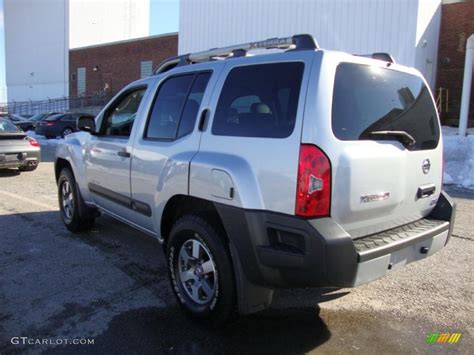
{"type": "Point", "coordinates": [110, 285]}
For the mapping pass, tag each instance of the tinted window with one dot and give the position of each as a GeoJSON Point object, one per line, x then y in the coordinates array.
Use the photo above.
{"type": "Point", "coordinates": [371, 99]}
{"type": "Point", "coordinates": [259, 101]}
{"type": "Point", "coordinates": [191, 108]}
{"type": "Point", "coordinates": [120, 117]}
{"type": "Point", "coordinates": [176, 106]}
{"type": "Point", "coordinates": [55, 117]}
{"type": "Point", "coordinates": [164, 119]}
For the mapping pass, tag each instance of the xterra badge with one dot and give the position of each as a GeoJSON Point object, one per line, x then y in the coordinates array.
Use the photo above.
{"type": "Point", "coordinates": [375, 197]}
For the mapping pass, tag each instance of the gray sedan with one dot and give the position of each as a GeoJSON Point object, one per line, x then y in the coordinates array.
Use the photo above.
{"type": "Point", "coordinates": [17, 150]}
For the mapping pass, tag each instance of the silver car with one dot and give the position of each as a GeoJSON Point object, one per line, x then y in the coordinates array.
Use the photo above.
{"type": "Point", "coordinates": [304, 168]}
{"type": "Point", "coordinates": [17, 150]}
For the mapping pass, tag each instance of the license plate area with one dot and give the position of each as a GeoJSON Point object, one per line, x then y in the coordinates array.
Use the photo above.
{"type": "Point", "coordinates": [12, 157]}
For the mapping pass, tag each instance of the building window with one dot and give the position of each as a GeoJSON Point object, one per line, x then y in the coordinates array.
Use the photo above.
{"type": "Point", "coordinates": [81, 81]}
{"type": "Point", "coordinates": [146, 69]}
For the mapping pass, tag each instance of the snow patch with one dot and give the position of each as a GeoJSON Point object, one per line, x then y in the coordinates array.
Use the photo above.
{"type": "Point", "coordinates": [458, 158]}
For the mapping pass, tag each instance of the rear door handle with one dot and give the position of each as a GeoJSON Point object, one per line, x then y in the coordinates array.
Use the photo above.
{"type": "Point", "coordinates": [123, 154]}
{"type": "Point", "coordinates": [426, 190]}
{"type": "Point", "coordinates": [203, 120]}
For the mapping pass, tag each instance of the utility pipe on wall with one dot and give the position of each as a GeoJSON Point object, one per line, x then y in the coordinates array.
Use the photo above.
{"type": "Point", "coordinates": [466, 86]}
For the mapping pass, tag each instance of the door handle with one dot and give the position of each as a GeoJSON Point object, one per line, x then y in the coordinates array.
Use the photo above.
{"type": "Point", "coordinates": [426, 190]}
{"type": "Point", "coordinates": [203, 120]}
{"type": "Point", "coordinates": [123, 154]}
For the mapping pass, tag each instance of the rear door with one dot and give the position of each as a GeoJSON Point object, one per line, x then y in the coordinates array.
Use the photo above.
{"type": "Point", "coordinates": [168, 139]}
{"type": "Point", "coordinates": [384, 145]}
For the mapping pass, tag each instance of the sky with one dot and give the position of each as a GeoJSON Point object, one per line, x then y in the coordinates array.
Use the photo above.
{"type": "Point", "coordinates": [164, 17]}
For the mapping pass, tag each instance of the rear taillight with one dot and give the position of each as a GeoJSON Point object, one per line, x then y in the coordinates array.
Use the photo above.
{"type": "Point", "coordinates": [33, 142]}
{"type": "Point", "coordinates": [50, 123]}
{"type": "Point", "coordinates": [313, 189]}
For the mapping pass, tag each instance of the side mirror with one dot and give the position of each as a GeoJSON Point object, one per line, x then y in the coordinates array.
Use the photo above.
{"type": "Point", "coordinates": [86, 124]}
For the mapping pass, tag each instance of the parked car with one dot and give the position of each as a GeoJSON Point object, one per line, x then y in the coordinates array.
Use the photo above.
{"type": "Point", "coordinates": [41, 116]}
{"type": "Point", "coordinates": [306, 168]}
{"type": "Point", "coordinates": [61, 124]}
{"type": "Point", "coordinates": [19, 121]}
{"type": "Point", "coordinates": [17, 150]}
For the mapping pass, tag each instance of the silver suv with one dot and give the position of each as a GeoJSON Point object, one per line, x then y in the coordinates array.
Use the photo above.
{"type": "Point", "coordinates": [302, 167]}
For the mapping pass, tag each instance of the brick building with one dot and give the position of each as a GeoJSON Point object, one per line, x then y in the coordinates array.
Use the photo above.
{"type": "Point", "coordinates": [109, 67]}
{"type": "Point", "coordinates": [457, 24]}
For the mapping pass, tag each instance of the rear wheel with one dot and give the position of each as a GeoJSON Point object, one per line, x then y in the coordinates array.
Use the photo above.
{"type": "Point", "coordinates": [74, 212]}
{"type": "Point", "coordinates": [66, 132]}
{"type": "Point", "coordinates": [201, 270]}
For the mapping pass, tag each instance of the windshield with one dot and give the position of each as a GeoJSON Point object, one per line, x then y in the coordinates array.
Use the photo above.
{"type": "Point", "coordinates": [7, 127]}
{"type": "Point", "coordinates": [369, 101]}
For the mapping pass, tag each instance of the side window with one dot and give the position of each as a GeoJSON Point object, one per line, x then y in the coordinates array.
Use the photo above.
{"type": "Point", "coordinates": [191, 108]}
{"type": "Point", "coordinates": [120, 117]}
{"type": "Point", "coordinates": [176, 106]}
{"type": "Point", "coordinates": [259, 101]}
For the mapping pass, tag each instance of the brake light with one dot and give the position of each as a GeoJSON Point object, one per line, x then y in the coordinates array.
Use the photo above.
{"type": "Point", "coordinates": [50, 123]}
{"type": "Point", "coordinates": [33, 142]}
{"type": "Point", "coordinates": [313, 189]}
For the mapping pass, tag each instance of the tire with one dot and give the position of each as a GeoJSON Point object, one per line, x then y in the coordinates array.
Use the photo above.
{"type": "Point", "coordinates": [28, 168]}
{"type": "Point", "coordinates": [66, 132]}
{"type": "Point", "coordinates": [214, 297]}
{"type": "Point", "coordinates": [75, 214]}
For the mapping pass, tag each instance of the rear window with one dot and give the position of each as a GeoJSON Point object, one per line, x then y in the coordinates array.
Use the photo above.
{"type": "Point", "coordinates": [259, 101]}
{"type": "Point", "coordinates": [54, 117]}
{"type": "Point", "coordinates": [370, 99]}
{"type": "Point", "coordinates": [7, 126]}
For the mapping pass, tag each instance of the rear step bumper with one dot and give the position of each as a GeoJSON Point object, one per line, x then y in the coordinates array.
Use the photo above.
{"type": "Point", "coordinates": [276, 250]}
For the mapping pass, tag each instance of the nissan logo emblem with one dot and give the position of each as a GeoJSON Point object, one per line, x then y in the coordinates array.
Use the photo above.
{"type": "Point", "coordinates": [426, 166]}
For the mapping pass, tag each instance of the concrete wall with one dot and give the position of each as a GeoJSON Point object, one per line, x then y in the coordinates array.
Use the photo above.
{"type": "Point", "coordinates": [36, 47]}
{"type": "Point", "coordinates": [363, 26]}
{"type": "Point", "coordinates": [118, 63]}
{"type": "Point", "coordinates": [95, 22]}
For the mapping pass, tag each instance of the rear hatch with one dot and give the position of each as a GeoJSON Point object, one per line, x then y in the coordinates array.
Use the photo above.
{"type": "Point", "coordinates": [387, 167]}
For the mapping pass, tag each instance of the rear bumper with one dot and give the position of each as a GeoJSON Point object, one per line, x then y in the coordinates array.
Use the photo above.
{"type": "Point", "coordinates": [276, 250]}
{"type": "Point", "coordinates": [22, 158]}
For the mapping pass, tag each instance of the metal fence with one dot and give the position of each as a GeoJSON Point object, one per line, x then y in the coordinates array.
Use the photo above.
{"type": "Point", "coordinates": [91, 103]}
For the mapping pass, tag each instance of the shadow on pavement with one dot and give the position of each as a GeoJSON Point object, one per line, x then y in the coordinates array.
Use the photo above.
{"type": "Point", "coordinates": [9, 173]}
{"type": "Point", "coordinates": [459, 192]}
{"type": "Point", "coordinates": [155, 330]}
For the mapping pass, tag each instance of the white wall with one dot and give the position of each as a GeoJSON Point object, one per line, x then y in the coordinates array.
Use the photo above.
{"type": "Point", "coordinates": [95, 22]}
{"type": "Point", "coordinates": [362, 26]}
{"type": "Point", "coordinates": [427, 38]}
{"type": "Point", "coordinates": [36, 49]}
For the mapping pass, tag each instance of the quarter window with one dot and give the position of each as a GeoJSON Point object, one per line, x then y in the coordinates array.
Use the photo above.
{"type": "Point", "coordinates": [259, 101]}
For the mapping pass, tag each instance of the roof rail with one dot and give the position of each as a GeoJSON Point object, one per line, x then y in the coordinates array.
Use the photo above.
{"type": "Point", "coordinates": [296, 42]}
{"type": "Point", "coordinates": [386, 57]}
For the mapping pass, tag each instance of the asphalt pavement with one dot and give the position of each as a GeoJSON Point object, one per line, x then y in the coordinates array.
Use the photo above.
{"type": "Point", "coordinates": [109, 286]}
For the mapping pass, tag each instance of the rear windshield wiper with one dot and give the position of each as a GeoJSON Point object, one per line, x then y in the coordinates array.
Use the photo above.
{"type": "Point", "coordinates": [403, 137]}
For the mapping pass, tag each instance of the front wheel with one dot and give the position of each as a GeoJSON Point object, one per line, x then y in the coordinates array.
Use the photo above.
{"type": "Point", "coordinates": [201, 270]}
{"type": "Point", "coordinates": [74, 212]}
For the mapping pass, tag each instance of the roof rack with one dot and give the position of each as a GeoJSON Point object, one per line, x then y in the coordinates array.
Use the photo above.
{"type": "Point", "coordinates": [296, 42]}
{"type": "Point", "coordinates": [386, 57]}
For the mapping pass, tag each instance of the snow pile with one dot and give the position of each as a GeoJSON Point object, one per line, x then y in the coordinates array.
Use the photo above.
{"type": "Point", "coordinates": [42, 139]}
{"type": "Point", "coordinates": [458, 158]}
